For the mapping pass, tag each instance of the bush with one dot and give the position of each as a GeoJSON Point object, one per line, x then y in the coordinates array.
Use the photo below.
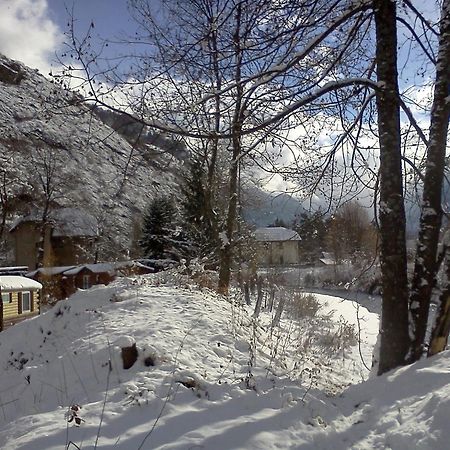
{"type": "Point", "coordinates": [303, 306]}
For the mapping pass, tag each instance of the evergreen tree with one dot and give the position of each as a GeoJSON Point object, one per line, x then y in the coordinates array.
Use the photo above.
{"type": "Point", "coordinates": [312, 228]}
{"type": "Point", "coordinates": [200, 220]}
{"type": "Point", "coordinates": [159, 229]}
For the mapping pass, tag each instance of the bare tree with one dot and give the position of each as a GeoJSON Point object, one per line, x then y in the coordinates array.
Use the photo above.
{"type": "Point", "coordinates": [271, 63]}
{"type": "Point", "coordinates": [232, 73]}
{"type": "Point", "coordinates": [50, 186]}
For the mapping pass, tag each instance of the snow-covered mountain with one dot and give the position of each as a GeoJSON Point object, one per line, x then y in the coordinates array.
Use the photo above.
{"type": "Point", "coordinates": [261, 208]}
{"type": "Point", "coordinates": [94, 168]}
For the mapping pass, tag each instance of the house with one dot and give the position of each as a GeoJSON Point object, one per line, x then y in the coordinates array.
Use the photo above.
{"type": "Point", "coordinates": [53, 281]}
{"type": "Point", "coordinates": [20, 299]}
{"type": "Point", "coordinates": [62, 281]}
{"type": "Point", "coordinates": [68, 237]}
{"type": "Point", "coordinates": [88, 275]}
{"type": "Point", "coordinates": [277, 246]}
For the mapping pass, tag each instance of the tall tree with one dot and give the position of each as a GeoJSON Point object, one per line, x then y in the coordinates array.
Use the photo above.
{"type": "Point", "coordinates": [426, 264]}
{"type": "Point", "coordinates": [230, 72]}
{"type": "Point", "coordinates": [158, 229]}
{"type": "Point", "coordinates": [402, 341]}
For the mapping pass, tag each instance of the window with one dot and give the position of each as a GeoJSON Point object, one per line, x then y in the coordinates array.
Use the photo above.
{"type": "Point", "coordinates": [26, 301]}
{"type": "Point", "coordinates": [6, 297]}
{"type": "Point", "coordinates": [86, 281]}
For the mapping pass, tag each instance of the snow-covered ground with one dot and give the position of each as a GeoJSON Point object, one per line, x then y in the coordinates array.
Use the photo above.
{"type": "Point", "coordinates": [209, 376]}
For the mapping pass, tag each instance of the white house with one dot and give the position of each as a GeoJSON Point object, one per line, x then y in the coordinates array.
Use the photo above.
{"type": "Point", "coordinates": [277, 246]}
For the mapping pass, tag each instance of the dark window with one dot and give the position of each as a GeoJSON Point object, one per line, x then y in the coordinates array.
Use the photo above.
{"type": "Point", "coordinates": [26, 301]}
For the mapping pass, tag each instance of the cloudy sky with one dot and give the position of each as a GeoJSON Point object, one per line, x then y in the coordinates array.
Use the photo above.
{"type": "Point", "coordinates": [32, 31]}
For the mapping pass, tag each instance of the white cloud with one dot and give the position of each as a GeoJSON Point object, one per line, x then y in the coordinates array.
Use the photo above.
{"type": "Point", "coordinates": [27, 33]}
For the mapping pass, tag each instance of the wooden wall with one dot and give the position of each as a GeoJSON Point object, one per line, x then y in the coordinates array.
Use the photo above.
{"type": "Point", "coordinates": [11, 310]}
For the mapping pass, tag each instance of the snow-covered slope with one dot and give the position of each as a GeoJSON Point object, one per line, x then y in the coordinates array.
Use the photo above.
{"type": "Point", "coordinates": [96, 169]}
{"type": "Point", "coordinates": [207, 376]}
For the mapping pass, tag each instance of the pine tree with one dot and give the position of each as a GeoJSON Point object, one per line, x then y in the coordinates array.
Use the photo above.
{"type": "Point", "coordinates": [200, 221]}
{"type": "Point", "coordinates": [158, 229]}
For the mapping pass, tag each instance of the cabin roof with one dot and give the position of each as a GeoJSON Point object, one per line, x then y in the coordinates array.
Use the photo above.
{"type": "Point", "coordinates": [16, 283]}
{"type": "Point", "coordinates": [94, 268]}
{"type": "Point", "coordinates": [276, 234]}
{"type": "Point", "coordinates": [65, 222]}
{"type": "Point", "coordinates": [47, 271]}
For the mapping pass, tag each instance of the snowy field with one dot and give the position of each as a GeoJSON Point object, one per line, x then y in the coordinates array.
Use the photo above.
{"type": "Point", "coordinates": [210, 376]}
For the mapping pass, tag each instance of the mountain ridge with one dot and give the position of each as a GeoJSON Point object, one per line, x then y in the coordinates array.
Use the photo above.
{"type": "Point", "coordinates": [94, 167]}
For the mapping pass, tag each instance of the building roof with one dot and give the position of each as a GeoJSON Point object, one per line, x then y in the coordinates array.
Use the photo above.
{"type": "Point", "coordinates": [15, 283]}
{"type": "Point", "coordinates": [328, 259]}
{"type": "Point", "coordinates": [47, 271]}
{"type": "Point", "coordinates": [276, 234]}
{"type": "Point", "coordinates": [94, 268]}
{"type": "Point", "coordinates": [13, 270]}
{"type": "Point", "coordinates": [65, 222]}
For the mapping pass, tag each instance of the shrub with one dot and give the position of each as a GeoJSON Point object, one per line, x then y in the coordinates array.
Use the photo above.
{"type": "Point", "coordinates": [303, 306]}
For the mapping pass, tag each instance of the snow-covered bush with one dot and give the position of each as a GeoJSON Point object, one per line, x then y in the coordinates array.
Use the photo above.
{"type": "Point", "coordinates": [303, 306]}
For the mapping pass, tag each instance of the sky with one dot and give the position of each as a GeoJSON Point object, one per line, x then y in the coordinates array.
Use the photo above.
{"type": "Point", "coordinates": [32, 31]}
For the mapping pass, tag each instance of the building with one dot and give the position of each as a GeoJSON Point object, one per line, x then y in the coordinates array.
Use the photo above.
{"type": "Point", "coordinates": [20, 299]}
{"type": "Point", "coordinates": [68, 238]}
{"type": "Point", "coordinates": [277, 246]}
{"type": "Point", "coordinates": [62, 281]}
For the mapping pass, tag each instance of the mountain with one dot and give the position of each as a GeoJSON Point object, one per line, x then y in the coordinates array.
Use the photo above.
{"type": "Point", "coordinates": [261, 208]}
{"type": "Point", "coordinates": [54, 147]}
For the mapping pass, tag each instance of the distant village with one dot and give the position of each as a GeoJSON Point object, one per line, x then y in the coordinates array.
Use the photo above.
{"type": "Point", "coordinates": [69, 261]}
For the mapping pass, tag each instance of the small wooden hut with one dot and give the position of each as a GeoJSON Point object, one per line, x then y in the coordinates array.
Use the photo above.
{"type": "Point", "coordinates": [20, 299]}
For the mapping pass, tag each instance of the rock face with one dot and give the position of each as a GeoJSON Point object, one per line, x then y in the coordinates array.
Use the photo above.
{"type": "Point", "coordinates": [10, 72]}
{"type": "Point", "coordinates": [46, 127]}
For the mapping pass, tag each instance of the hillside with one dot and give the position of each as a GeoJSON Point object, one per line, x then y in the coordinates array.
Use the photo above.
{"type": "Point", "coordinates": [47, 129]}
{"type": "Point", "coordinates": [207, 376]}
{"type": "Point", "coordinates": [262, 208]}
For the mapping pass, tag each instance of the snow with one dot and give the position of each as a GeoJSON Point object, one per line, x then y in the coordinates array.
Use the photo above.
{"type": "Point", "coordinates": [94, 268]}
{"type": "Point", "coordinates": [15, 283]}
{"type": "Point", "coordinates": [49, 271]}
{"type": "Point", "coordinates": [275, 234]}
{"type": "Point", "coordinates": [207, 376]}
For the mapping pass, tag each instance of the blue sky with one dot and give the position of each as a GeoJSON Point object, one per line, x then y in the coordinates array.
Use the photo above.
{"type": "Point", "coordinates": [32, 31]}
{"type": "Point", "coordinates": [109, 16]}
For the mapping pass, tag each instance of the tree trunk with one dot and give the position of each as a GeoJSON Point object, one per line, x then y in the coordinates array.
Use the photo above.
{"type": "Point", "coordinates": [394, 339]}
{"type": "Point", "coordinates": [226, 253]}
{"type": "Point", "coordinates": [226, 256]}
{"type": "Point", "coordinates": [259, 298]}
{"type": "Point", "coordinates": [426, 267]}
{"type": "Point", "coordinates": [441, 328]}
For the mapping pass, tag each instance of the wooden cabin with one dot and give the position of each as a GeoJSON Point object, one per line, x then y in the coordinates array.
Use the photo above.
{"type": "Point", "coordinates": [68, 238]}
{"type": "Point", "coordinates": [88, 275]}
{"type": "Point", "coordinates": [55, 285]}
{"type": "Point", "coordinates": [20, 299]}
